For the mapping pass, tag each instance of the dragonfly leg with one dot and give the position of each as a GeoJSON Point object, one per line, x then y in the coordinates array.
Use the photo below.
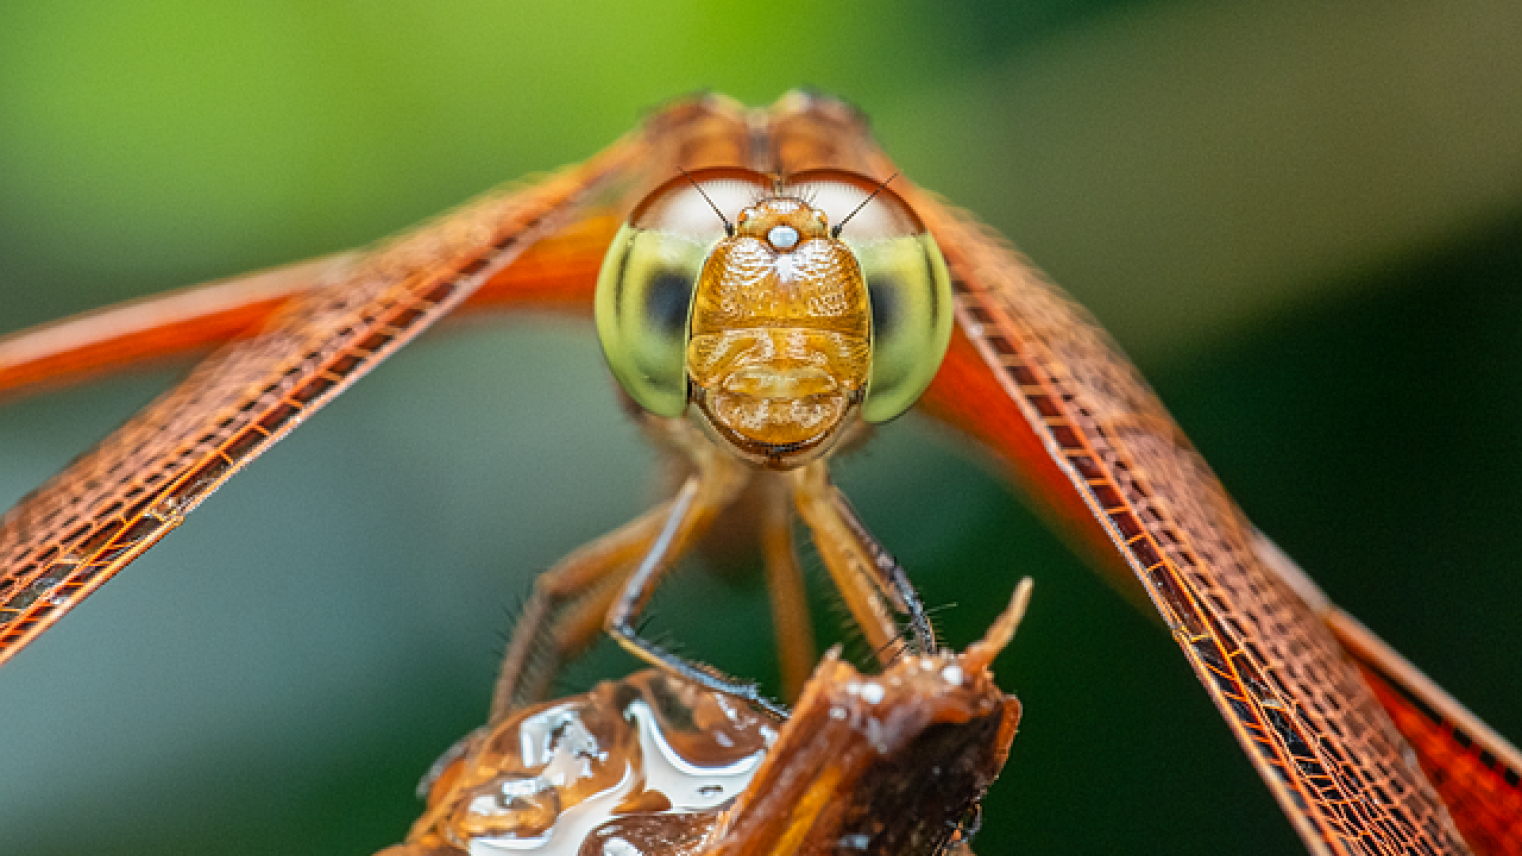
{"type": "Point", "coordinates": [789, 598]}
{"type": "Point", "coordinates": [564, 613]}
{"type": "Point", "coordinates": [701, 497]}
{"type": "Point", "coordinates": [870, 580]}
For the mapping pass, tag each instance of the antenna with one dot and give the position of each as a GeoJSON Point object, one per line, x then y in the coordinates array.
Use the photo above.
{"type": "Point", "coordinates": [835, 232]}
{"type": "Point", "coordinates": [729, 228]}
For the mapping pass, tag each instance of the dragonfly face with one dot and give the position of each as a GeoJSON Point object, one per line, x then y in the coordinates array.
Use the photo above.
{"type": "Point", "coordinates": [780, 338]}
{"type": "Point", "coordinates": [783, 308]}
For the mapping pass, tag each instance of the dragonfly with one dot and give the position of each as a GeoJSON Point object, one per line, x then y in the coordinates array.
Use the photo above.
{"type": "Point", "coordinates": [1029, 376]}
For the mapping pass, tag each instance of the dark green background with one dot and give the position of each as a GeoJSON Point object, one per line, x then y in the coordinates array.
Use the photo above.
{"type": "Point", "coordinates": [1303, 218]}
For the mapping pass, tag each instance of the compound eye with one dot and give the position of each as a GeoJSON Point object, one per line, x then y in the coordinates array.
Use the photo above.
{"type": "Point", "coordinates": [644, 292]}
{"type": "Point", "coordinates": [907, 284]}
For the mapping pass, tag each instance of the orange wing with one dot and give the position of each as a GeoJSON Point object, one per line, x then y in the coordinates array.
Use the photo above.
{"type": "Point", "coordinates": [325, 325]}
{"type": "Point", "coordinates": [1476, 772]}
{"type": "Point", "coordinates": [556, 272]}
{"type": "Point", "coordinates": [1067, 412]}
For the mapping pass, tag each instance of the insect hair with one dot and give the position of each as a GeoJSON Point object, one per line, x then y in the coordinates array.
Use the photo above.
{"type": "Point", "coordinates": [781, 188]}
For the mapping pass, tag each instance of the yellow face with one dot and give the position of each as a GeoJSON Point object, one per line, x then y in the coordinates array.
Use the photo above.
{"type": "Point", "coordinates": [780, 343]}
{"type": "Point", "coordinates": [783, 310]}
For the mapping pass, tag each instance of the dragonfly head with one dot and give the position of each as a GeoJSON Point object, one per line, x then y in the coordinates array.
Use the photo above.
{"type": "Point", "coordinates": [743, 295]}
{"type": "Point", "coordinates": [780, 340]}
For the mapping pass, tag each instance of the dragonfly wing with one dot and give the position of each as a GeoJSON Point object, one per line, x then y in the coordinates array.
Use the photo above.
{"type": "Point", "coordinates": [1064, 409]}
{"type": "Point", "coordinates": [72, 534]}
{"type": "Point", "coordinates": [557, 272]}
{"type": "Point", "coordinates": [163, 325]}
{"type": "Point", "coordinates": [324, 324]}
{"type": "Point", "coordinates": [1476, 771]}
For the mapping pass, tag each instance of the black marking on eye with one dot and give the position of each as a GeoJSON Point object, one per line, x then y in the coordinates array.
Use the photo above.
{"type": "Point", "coordinates": [887, 312]}
{"type": "Point", "coordinates": [667, 299]}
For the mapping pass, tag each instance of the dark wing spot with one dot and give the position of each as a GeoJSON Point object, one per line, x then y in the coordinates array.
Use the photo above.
{"type": "Point", "coordinates": [667, 299]}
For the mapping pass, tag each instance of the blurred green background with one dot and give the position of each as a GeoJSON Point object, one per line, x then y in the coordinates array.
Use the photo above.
{"type": "Point", "coordinates": [1304, 219]}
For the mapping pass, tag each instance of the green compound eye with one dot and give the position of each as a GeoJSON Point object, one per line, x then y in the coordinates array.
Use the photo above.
{"type": "Point", "coordinates": [907, 284]}
{"type": "Point", "coordinates": [644, 292]}
{"type": "Point", "coordinates": [910, 292]}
